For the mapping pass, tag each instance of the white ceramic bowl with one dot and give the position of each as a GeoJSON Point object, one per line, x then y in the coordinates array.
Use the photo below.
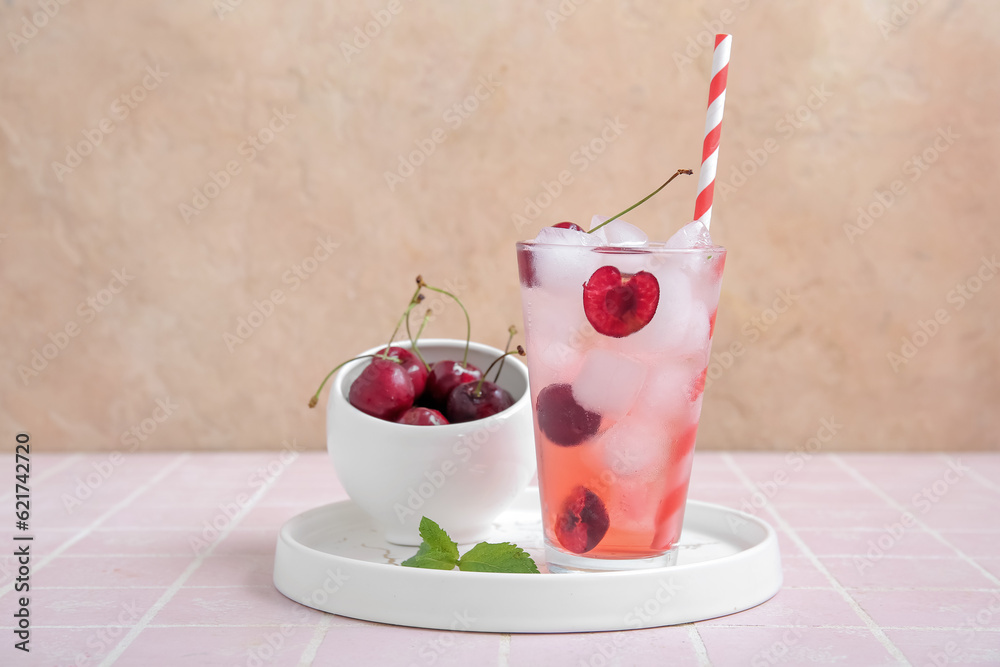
{"type": "Point", "coordinates": [461, 476]}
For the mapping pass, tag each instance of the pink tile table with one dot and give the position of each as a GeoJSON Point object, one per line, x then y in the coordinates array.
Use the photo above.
{"type": "Point", "coordinates": [889, 559]}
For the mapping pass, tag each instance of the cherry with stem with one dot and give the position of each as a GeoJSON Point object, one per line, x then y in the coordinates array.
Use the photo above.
{"type": "Point", "coordinates": [468, 321]}
{"type": "Point", "coordinates": [643, 200]}
{"type": "Point", "coordinates": [414, 300]}
{"type": "Point", "coordinates": [479, 399]}
{"type": "Point", "coordinates": [477, 392]}
{"type": "Point", "coordinates": [414, 339]}
{"type": "Point", "coordinates": [315, 398]}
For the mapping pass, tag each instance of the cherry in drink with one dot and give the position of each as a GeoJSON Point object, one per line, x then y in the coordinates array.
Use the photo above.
{"type": "Point", "coordinates": [618, 332]}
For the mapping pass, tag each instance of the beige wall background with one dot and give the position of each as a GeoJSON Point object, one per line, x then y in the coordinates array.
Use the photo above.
{"type": "Point", "coordinates": [887, 108]}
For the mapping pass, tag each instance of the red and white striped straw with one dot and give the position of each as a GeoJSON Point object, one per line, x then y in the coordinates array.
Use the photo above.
{"type": "Point", "coordinates": [713, 129]}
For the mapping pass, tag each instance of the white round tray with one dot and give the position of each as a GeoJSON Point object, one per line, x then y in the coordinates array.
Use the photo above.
{"type": "Point", "coordinates": [333, 559]}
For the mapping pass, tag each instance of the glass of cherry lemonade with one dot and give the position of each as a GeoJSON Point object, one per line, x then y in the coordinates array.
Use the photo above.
{"type": "Point", "coordinates": [618, 333]}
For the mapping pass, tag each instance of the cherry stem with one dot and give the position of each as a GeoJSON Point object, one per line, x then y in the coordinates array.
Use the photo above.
{"type": "Point", "coordinates": [413, 340]}
{"type": "Point", "coordinates": [315, 399]}
{"type": "Point", "coordinates": [642, 201]}
{"type": "Point", "coordinates": [414, 300]}
{"type": "Point", "coordinates": [468, 322]}
{"type": "Point", "coordinates": [478, 391]}
{"type": "Point", "coordinates": [512, 330]}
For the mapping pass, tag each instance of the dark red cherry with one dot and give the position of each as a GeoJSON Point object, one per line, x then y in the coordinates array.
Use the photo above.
{"type": "Point", "coordinates": [569, 225]}
{"type": "Point", "coordinates": [411, 364]}
{"type": "Point", "coordinates": [383, 390]}
{"type": "Point", "coordinates": [423, 417]}
{"type": "Point", "coordinates": [445, 376]}
{"type": "Point", "coordinates": [465, 404]}
{"type": "Point", "coordinates": [618, 304]}
{"type": "Point", "coordinates": [562, 419]}
{"type": "Point", "coordinates": [583, 521]}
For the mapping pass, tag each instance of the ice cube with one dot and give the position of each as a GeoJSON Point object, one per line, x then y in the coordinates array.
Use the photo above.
{"type": "Point", "coordinates": [599, 234]}
{"type": "Point", "coordinates": [608, 383]}
{"type": "Point", "coordinates": [560, 236]}
{"type": "Point", "coordinates": [675, 312]}
{"type": "Point", "coordinates": [706, 278]}
{"type": "Point", "coordinates": [620, 233]}
{"type": "Point", "coordinates": [672, 393]}
{"type": "Point", "coordinates": [562, 359]}
{"type": "Point", "coordinates": [634, 446]}
{"type": "Point", "coordinates": [558, 332]}
{"type": "Point", "coordinates": [694, 341]}
{"type": "Point", "coordinates": [705, 266]}
{"type": "Point", "coordinates": [692, 235]}
{"type": "Point", "coordinates": [546, 320]}
{"type": "Point", "coordinates": [562, 270]}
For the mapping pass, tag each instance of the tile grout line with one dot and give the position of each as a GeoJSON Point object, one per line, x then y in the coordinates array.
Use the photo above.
{"type": "Point", "coordinates": [148, 484]}
{"type": "Point", "coordinates": [886, 556]}
{"type": "Point", "coordinates": [869, 622]}
{"type": "Point", "coordinates": [889, 556]}
{"type": "Point", "coordinates": [700, 650]}
{"type": "Point", "coordinates": [899, 507]}
{"type": "Point", "coordinates": [708, 662]}
{"type": "Point", "coordinates": [168, 529]}
{"type": "Point", "coordinates": [49, 472]}
{"type": "Point", "coordinates": [878, 589]}
{"type": "Point", "coordinates": [976, 476]}
{"type": "Point", "coordinates": [250, 555]}
{"type": "Point", "coordinates": [127, 640]}
{"type": "Point", "coordinates": [132, 555]}
{"type": "Point", "coordinates": [811, 505]}
{"type": "Point", "coordinates": [503, 652]}
{"type": "Point", "coordinates": [853, 529]}
{"type": "Point", "coordinates": [309, 652]}
{"type": "Point", "coordinates": [916, 628]}
{"type": "Point", "coordinates": [147, 588]}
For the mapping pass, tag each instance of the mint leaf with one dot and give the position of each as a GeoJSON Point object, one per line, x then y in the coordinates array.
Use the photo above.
{"type": "Point", "coordinates": [436, 538]}
{"type": "Point", "coordinates": [437, 551]}
{"type": "Point", "coordinates": [431, 558]}
{"type": "Point", "coordinates": [503, 557]}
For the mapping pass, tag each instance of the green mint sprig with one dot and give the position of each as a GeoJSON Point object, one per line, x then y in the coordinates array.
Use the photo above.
{"type": "Point", "coordinates": [439, 552]}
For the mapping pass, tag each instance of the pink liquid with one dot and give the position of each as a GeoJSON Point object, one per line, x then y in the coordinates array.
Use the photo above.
{"type": "Point", "coordinates": [646, 388]}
